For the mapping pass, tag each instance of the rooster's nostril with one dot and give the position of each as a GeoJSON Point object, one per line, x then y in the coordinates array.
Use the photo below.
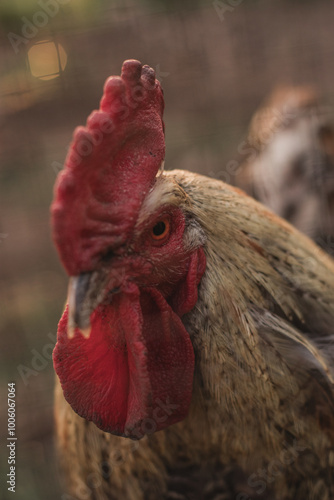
{"type": "Point", "coordinates": [114, 290]}
{"type": "Point", "coordinates": [108, 255]}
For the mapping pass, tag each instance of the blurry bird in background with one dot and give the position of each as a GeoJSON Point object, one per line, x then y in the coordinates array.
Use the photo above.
{"type": "Point", "coordinates": [291, 165]}
{"type": "Point", "coordinates": [195, 357]}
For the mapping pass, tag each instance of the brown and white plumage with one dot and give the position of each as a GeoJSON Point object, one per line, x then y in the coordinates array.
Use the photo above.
{"type": "Point", "coordinates": [261, 420]}
{"type": "Point", "coordinates": [291, 165]}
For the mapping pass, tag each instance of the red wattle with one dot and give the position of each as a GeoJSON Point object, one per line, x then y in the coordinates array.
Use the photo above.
{"type": "Point", "coordinates": [134, 375]}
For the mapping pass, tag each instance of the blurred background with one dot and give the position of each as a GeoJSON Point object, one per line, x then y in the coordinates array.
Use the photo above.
{"type": "Point", "coordinates": [217, 61]}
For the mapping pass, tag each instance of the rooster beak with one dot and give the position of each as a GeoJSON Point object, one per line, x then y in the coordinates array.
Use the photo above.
{"type": "Point", "coordinates": [85, 292]}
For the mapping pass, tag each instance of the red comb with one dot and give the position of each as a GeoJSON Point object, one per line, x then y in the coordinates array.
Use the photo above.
{"type": "Point", "coordinates": [111, 165]}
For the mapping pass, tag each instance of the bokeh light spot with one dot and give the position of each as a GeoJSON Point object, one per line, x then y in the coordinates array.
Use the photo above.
{"type": "Point", "coordinates": [47, 60]}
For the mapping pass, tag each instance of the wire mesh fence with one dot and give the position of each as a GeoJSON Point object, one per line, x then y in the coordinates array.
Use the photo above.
{"type": "Point", "coordinates": [216, 60]}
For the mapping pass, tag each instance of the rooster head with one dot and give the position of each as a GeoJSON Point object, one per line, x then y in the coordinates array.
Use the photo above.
{"type": "Point", "coordinates": [125, 236]}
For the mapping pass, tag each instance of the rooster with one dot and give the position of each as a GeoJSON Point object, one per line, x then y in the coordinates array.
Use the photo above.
{"type": "Point", "coordinates": [194, 358]}
{"type": "Point", "coordinates": [291, 165]}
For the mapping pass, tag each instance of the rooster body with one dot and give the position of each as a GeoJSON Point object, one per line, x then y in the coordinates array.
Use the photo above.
{"type": "Point", "coordinates": [256, 299]}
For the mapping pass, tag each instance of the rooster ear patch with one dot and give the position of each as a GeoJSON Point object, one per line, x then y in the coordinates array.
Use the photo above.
{"type": "Point", "coordinates": [185, 298]}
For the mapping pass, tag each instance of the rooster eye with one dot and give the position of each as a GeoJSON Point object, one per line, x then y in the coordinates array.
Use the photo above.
{"type": "Point", "coordinates": [160, 229]}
